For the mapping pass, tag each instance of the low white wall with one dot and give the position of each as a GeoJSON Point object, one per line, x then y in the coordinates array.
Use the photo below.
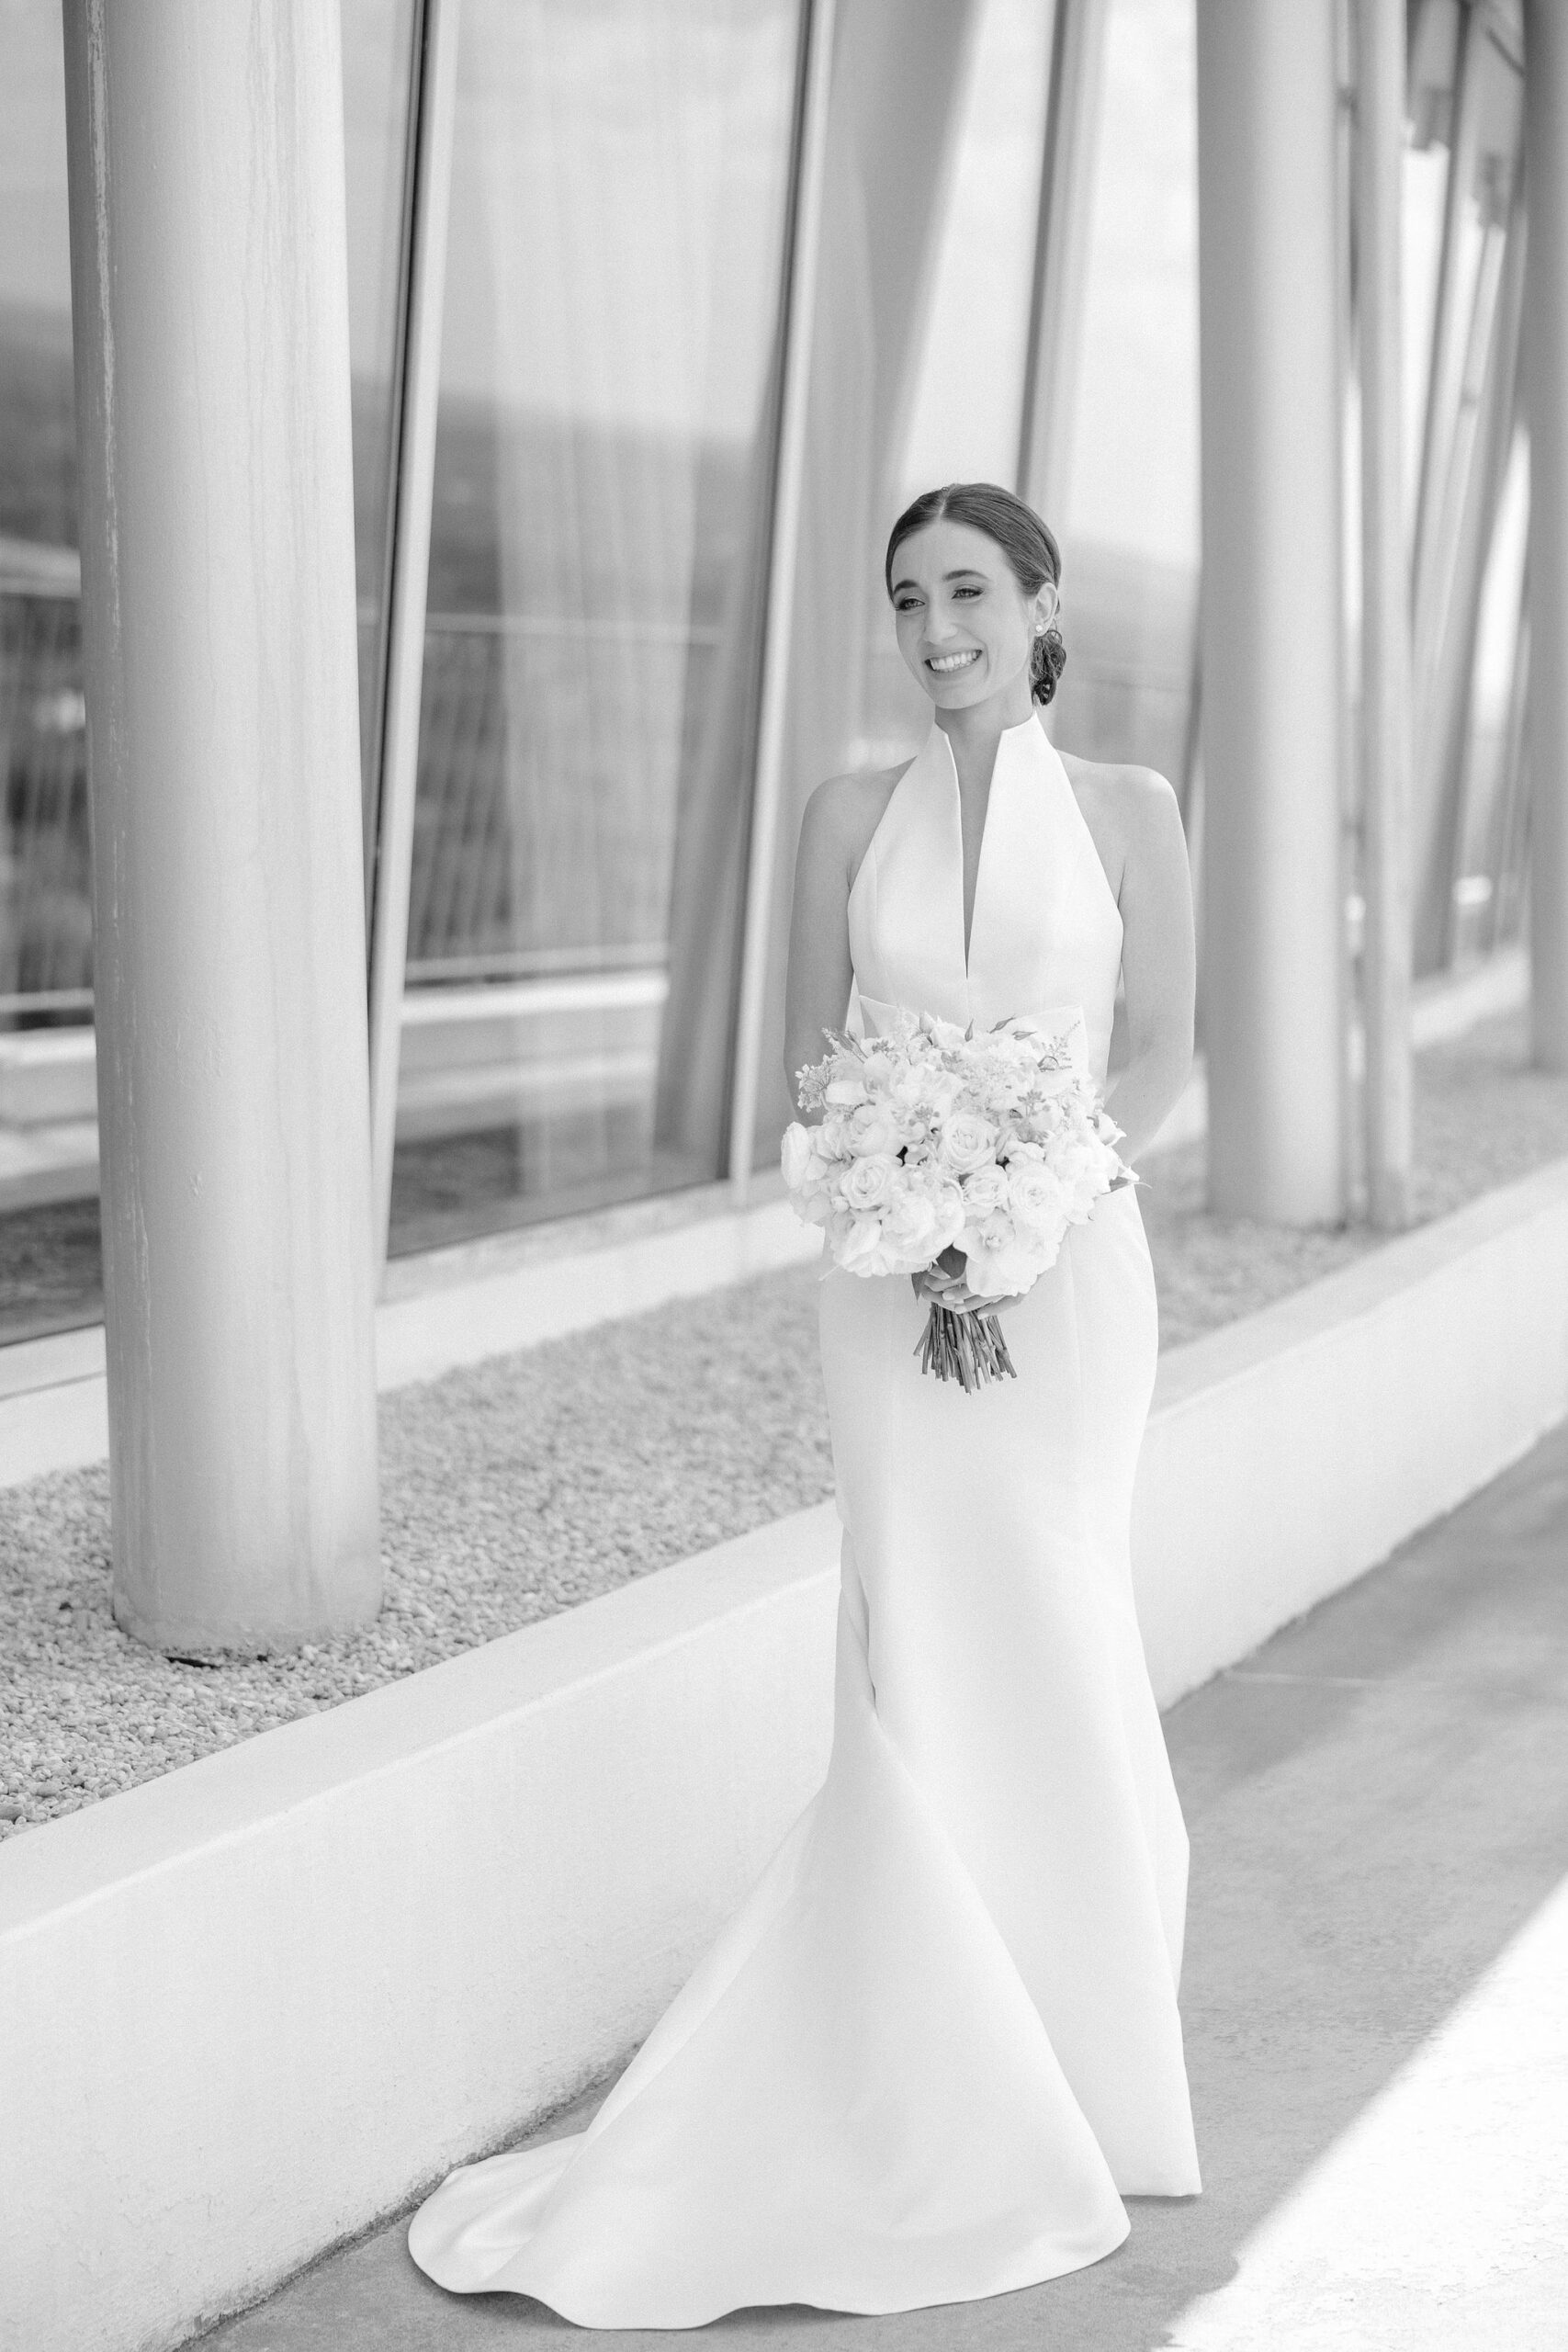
{"type": "Point", "coordinates": [253, 2005]}
{"type": "Point", "coordinates": [1291, 1451]}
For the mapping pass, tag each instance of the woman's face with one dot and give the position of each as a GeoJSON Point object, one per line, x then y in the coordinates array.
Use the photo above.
{"type": "Point", "coordinates": [964, 626]}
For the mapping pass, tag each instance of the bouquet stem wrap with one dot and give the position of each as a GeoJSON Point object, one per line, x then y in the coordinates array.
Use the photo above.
{"type": "Point", "coordinates": [942, 1145]}
{"type": "Point", "coordinates": [968, 1347]}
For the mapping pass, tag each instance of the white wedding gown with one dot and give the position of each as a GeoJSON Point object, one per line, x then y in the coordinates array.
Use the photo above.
{"type": "Point", "coordinates": [939, 2041]}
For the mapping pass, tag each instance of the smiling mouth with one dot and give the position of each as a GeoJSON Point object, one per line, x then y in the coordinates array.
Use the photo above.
{"type": "Point", "coordinates": [946, 663]}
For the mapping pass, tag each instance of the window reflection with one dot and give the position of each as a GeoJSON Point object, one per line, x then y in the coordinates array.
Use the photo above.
{"type": "Point", "coordinates": [1130, 532]}
{"type": "Point", "coordinates": [960, 410]}
{"type": "Point", "coordinates": [49, 1225]}
{"type": "Point", "coordinates": [599, 530]}
{"type": "Point", "coordinates": [377, 77]}
{"type": "Point", "coordinates": [1469, 534]}
{"type": "Point", "coordinates": [49, 1220]}
{"type": "Point", "coordinates": [918, 369]}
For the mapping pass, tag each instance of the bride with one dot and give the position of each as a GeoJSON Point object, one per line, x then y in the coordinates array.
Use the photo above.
{"type": "Point", "coordinates": [938, 2043]}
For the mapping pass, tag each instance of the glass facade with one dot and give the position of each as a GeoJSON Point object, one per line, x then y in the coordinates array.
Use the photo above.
{"type": "Point", "coordinates": [919, 353]}
{"type": "Point", "coordinates": [959, 416]}
{"type": "Point", "coordinates": [379, 66]}
{"type": "Point", "coordinates": [49, 1226]}
{"type": "Point", "coordinates": [626, 182]}
{"type": "Point", "coordinates": [603, 486]}
{"type": "Point", "coordinates": [1469, 529]}
{"type": "Point", "coordinates": [49, 1220]}
{"type": "Point", "coordinates": [1130, 528]}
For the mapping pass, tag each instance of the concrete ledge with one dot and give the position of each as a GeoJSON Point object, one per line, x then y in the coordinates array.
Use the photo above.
{"type": "Point", "coordinates": [257, 2004]}
{"type": "Point", "coordinates": [260, 2002]}
{"type": "Point", "coordinates": [1291, 1451]}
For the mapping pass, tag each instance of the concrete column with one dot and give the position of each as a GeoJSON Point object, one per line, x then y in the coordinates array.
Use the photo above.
{"type": "Point", "coordinates": [210, 292]}
{"type": "Point", "coordinates": [1272, 606]}
{"type": "Point", "coordinates": [1546, 400]}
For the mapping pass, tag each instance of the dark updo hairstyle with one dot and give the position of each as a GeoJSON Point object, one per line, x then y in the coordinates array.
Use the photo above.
{"type": "Point", "coordinates": [1033, 555]}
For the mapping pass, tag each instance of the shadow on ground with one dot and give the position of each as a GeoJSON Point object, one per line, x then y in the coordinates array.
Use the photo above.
{"type": "Point", "coordinates": [1377, 1804]}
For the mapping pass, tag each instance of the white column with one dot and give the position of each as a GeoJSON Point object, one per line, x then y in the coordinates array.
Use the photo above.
{"type": "Point", "coordinates": [209, 290]}
{"type": "Point", "coordinates": [1546, 398]}
{"type": "Point", "coordinates": [1385, 612]}
{"type": "Point", "coordinates": [1272, 607]}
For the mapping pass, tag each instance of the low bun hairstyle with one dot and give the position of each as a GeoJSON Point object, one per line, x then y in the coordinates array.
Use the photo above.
{"type": "Point", "coordinates": [1033, 555]}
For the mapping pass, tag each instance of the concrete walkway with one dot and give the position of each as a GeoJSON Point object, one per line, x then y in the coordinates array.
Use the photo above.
{"type": "Point", "coordinates": [1377, 1949]}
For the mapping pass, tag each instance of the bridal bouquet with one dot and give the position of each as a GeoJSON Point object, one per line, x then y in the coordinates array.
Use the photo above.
{"type": "Point", "coordinates": [939, 1146]}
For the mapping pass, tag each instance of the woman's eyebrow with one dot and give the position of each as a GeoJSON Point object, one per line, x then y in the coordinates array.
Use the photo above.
{"type": "Point", "coordinates": [965, 571]}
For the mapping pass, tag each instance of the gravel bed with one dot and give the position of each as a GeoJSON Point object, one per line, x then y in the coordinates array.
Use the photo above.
{"type": "Point", "coordinates": [525, 1485]}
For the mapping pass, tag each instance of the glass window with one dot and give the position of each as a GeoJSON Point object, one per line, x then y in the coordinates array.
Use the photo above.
{"type": "Point", "coordinates": [48, 1221]}
{"type": "Point", "coordinates": [1129, 534]}
{"type": "Point", "coordinates": [603, 478]}
{"type": "Point", "coordinates": [1469, 530]}
{"type": "Point", "coordinates": [917, 373]}
{"type": "Point", "coordinates": [377, 77]}
{"type": "Point", "coordinates": [961, 416]}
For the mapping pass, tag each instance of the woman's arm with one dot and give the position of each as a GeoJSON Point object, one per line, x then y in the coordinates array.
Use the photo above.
{"type": "Point", "coordinates": [816, 994]}
{"type": "Point", "coordinates": [1158, 962]}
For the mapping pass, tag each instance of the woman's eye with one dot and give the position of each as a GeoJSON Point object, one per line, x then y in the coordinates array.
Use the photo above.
{"type": "Point", "coordinates": [905, 604]}
{"type": "Point", "coordinates": [968, 591]}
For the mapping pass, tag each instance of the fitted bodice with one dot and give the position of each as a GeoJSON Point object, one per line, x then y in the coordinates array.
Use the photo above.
{"type": "Point", "coordinates": [1045, 936]}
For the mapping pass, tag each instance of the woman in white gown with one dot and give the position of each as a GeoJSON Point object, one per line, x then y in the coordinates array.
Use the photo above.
{"type": "Point", "coordinates": [938, 2043]}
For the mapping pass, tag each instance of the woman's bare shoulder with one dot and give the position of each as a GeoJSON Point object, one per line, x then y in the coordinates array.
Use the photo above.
{"type": "Point", "coordinates": [1123, 805]}
{"type": "Point", "coordinates": [845, 810]}
{"type": "Point", "coordinates": [1117, 789]}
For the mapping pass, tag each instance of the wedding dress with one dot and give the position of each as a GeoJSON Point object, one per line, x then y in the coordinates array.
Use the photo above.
{"type": "Point", "coordinates": [939, 2041]}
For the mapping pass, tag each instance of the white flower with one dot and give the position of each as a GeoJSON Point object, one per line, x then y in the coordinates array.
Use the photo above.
{"type": "Point", "coordinates": [866, 1183]}
{"type": "Point", "coordinates": [801, 1162]}
{"type": "Point", "coordinates": [875, 1128]}
{"type": "Point", "coordinates": [1007, 1271]}
{"type": "Point", "coordinates": [924, 1217]}
{"type": "Point", "coordinates": [910, 1227]}
{"type": "Point", "coordinates": [985, 1188]}
{"type": "Point", "coordinates": [860, 1250]}
{"type": "Point", "coordinates": [967, 1142]}
{"type": "Point", "coordinates": [1037, 1196]}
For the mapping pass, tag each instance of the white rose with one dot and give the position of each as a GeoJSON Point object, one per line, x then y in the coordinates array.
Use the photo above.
{"type": "Point", "coordinates": [985, 1189]}
{"type": "Point", "coordinates": [967, 1142]}
{"type": "Point", "coordinates": [866, 1183]}
{"type": "Point", "coordinates": [1036, 1194]}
